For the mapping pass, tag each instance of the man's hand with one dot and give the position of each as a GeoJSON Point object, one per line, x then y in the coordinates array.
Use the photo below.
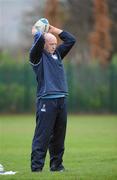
{"type": "Point", "coordinates": [34, 30]}
{"type": "Point", "coordinates": [54, 30]}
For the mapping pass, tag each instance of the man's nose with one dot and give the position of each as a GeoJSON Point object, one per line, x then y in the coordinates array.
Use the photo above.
{"type": "Point", "coordinates": [54, 47]}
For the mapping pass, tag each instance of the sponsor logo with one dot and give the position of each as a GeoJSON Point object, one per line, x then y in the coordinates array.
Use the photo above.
{"type": "Point", "coordinates": [43, 109]}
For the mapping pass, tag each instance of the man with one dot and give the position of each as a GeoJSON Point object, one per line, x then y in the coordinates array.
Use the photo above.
{"type": "Point", "coordinates": [51, 112]}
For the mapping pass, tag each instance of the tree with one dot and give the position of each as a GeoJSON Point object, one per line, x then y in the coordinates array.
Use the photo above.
{"type": "Point", "coordinates": [55, 12]}
{"type": "Point", "coordinates": [112, 7]}
{"type": "Point", "coordinates": [52, 12]}
{"type": "Point", "coordinates": [81, 22]}
{"type": "Point", "coordinates": [100, 39]}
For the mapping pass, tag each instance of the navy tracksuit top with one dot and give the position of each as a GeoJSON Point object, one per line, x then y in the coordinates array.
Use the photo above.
{"type": "Point", "coordinates": [49, 71]}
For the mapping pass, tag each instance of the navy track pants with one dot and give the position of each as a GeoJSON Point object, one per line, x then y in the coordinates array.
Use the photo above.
{"type": "Point", "coordinates": [51, 121]}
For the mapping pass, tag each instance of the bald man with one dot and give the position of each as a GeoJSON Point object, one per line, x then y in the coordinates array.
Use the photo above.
{"type": "Point", "coordinates": [51, 111]}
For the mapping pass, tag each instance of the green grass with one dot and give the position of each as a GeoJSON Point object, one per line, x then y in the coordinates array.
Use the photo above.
{"type": "Point", "coordinates": [91, 148]}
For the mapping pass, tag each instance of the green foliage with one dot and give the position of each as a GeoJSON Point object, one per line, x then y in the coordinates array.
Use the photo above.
{"type": "Point", "coordinates": [17, 86]}
{"type": "Point", "coordinates": [11, 97]}
{"type": "Point", "coordinates": [114, 61]}
{"type": "Point", "coordinates": [92, 88]}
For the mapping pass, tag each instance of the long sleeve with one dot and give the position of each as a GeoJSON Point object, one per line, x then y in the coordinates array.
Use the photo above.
{"type": "Point", "coordinates": [37, 48]}
{"type": "Point", "coordinates": [68, 41]}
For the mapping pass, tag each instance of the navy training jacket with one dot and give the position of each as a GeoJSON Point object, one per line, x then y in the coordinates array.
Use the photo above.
{"type": "Point", "coordinates": [49, 69]}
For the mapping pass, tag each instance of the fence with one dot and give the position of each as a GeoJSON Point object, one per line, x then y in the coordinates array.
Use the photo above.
{"type": "Point", "coordinates": [91, 88]}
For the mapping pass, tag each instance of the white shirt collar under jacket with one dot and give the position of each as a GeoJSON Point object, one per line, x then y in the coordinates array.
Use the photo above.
{"type": "Point", "coordinates": [54, 56]}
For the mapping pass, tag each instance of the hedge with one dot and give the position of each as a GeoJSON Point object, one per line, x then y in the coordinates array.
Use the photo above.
{"type": "Point", "coordinates": [92, 88]}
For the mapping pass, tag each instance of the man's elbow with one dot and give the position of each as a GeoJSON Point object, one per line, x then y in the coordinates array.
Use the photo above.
{"type": "Point", "coordinates": [73, 41]}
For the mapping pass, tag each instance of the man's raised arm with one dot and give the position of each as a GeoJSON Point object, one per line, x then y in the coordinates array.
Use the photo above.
{"type": "Point", "coordinates": [67, 38]}
{"type": "Point", "coordinates": [37, 48]}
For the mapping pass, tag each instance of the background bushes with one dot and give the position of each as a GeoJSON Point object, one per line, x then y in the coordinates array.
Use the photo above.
{"type": "Point", "coordinates": [92, 88]}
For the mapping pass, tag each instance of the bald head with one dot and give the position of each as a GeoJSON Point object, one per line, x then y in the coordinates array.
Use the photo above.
{"type": "Point", "coordinates": [49, 37]}
{"type": "Point", "coordinates": [50, 42]}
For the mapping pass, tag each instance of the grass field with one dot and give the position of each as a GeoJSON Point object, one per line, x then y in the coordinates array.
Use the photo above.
{"type": "Point", "coordinates": [91, 148]}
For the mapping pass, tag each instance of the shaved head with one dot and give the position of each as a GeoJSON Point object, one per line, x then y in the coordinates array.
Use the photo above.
{"type": "Point", "coordinates": [49, 37]}
{"type": "Point", "coordinates": [50, 42]}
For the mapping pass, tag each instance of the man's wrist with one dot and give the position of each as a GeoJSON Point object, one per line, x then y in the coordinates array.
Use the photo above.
{"type": "Point", "coordinates": [58, 31]}
{"type": "Point", "coordinates": [55, 30]}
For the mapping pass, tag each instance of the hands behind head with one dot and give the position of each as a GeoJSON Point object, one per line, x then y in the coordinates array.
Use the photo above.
{"type": "Point", "coordinates": [52, 30]}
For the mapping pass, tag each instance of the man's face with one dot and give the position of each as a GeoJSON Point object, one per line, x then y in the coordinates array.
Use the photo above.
{"type": "Point", "coordinates": [50, 43]}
